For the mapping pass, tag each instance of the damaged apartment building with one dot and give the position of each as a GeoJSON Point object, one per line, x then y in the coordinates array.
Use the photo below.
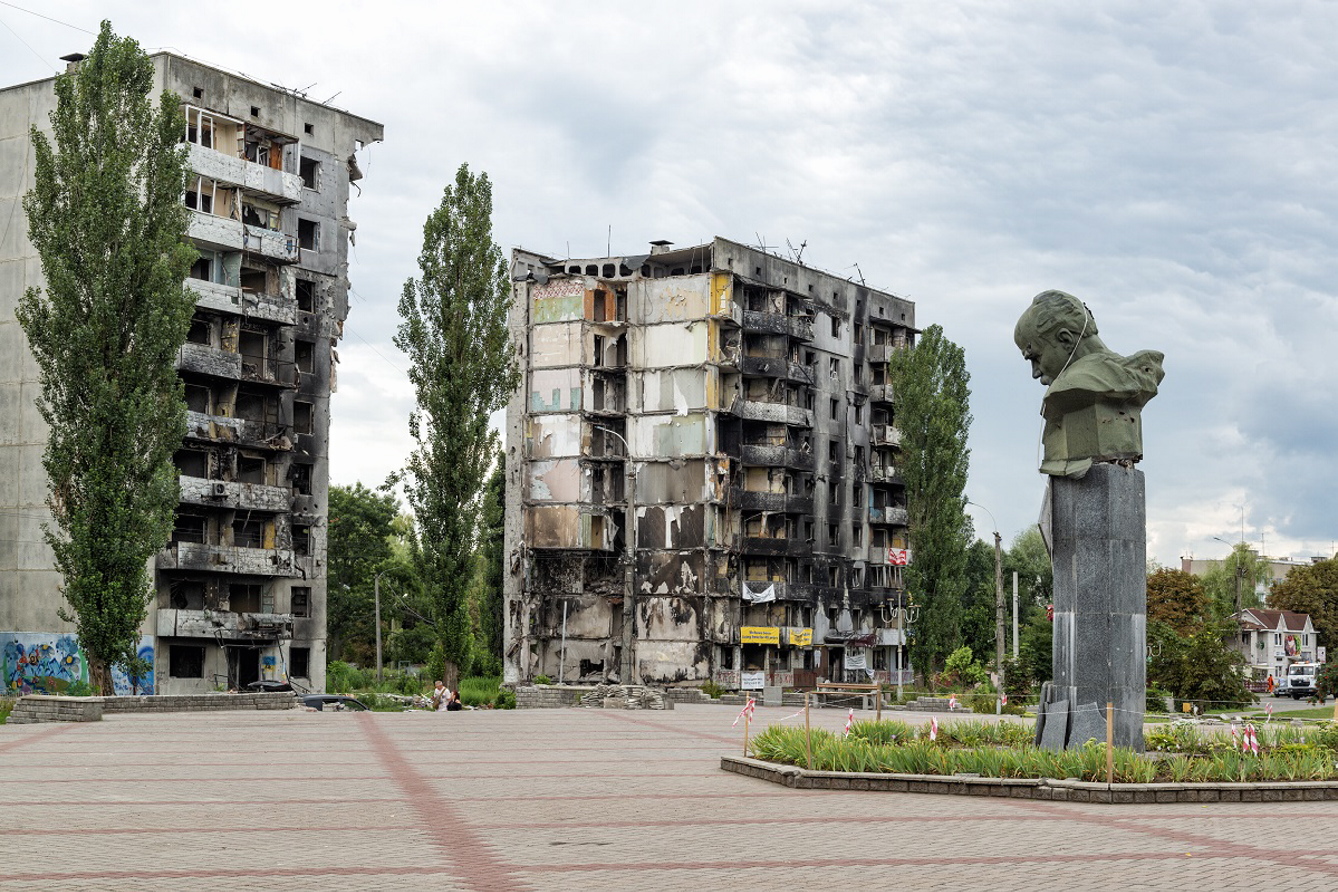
{"type": "Point", "coordinates": [240, 588]}
{"type": "Point", "coordinates": [702, 471]}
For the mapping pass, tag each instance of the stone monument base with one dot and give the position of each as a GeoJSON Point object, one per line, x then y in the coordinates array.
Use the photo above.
{"type": "Point", "coordinates": [1098, 536]}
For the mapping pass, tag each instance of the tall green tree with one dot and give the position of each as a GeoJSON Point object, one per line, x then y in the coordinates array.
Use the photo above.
{"type": "Point", "coordinates": [1177, 599]}
{"type": "Point", "coordinates": [978, 607]}
{"type": "Point", "coordinates": [933, 415]}
{"type": "Point", "coordinates": [106, 218]}
{"type": "Point", "coordinates": [454, 330]}
{"type": "Point", "coordinates": [1242, 567]}
{"type": "Point", "coordinates": [361, 544]}
{"type": "Point", "coordinates": [489, 568]}
{"type": "Point", "coordinates": [1312, 589]}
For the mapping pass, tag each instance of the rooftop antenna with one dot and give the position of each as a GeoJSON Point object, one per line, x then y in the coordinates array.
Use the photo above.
{"type": "Point", "coordinates": [331, 99]}
{"type": "Point", "coordinates": [859, 272]}
{"type": "Point", "coordinates": [797, 252]}
{"type": "Point", "coordinates": [762, 244]}
{"type": "Point", "coordinates": [608, 246]}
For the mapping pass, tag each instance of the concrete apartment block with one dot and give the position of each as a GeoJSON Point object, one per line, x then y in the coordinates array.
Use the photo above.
{"type": "Point", "coordinates": [240, 588]}
{"type": "Point", "coordinates": [702, 471]}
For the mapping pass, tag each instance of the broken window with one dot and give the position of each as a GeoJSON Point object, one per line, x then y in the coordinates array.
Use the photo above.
{"type": "Point", "coordinates": [299, 662]}
{"type": "Point", "coordinates": [251, 469]}
{"type": "Point", "coordinates": [197, 398]}
{"type": "Point", "coordinates": [248, 533]}
{"type": "Point", "coordinates": [300, 476]}
{"type": "Point", "coordinates": [255, 213]}
{"type": "Point", "coordinates": [833, 536]}
{"type": "Point", "coordinates": [301, 601]}
{"type": "Point", "coordinates": [309, 234]}
{"type": "Point", "coordinates": [302, 417]}
{"type": "Point", "coordinates": [189, 528]}
{"type": "Point", "coordinates": [833, 450]}
{"type": "Point", "coordinates": [253, 345]}
{"type": "Point", "coordinates": [306, 295]}
{"type": "Point", "coordinates": [835, 409]}
{"type": "Point", "coordinates": [192, 463]}
{"type": "Point", "coordinates": [310, 169]}
{"type": "Point", "coordinates": [201, 330]}
{"type": "Point", "coordinates": [856, 537]}
{"type": "Point", "coordinates": [255, 280]}
{"type": "Point", "coordinates": [301, 539]}
{"type": "Point", "coordinates": [254, 405]}
{"type": "Point", "coordinates": [187, 594]}
{"type": "Point", "coordinates": [200, 194]}
{"type": "Point", "coordinates": [200, 127]}
{"type": "Point", "coordinates": [203, 268]}
{"type": "Point", "coordinates": [185, 661]}
{"type": "Point", "coordinates": [305, 353]}
{"type": "Point", "coordinates": [244, 598]}
{"type": "Point", "coordinates": [836, 326]}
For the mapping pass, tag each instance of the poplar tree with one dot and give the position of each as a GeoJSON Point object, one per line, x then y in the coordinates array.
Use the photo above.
{"type": "Point", "coordinates": [932, 412]}
{"type": "Point", "coordinates": [454, 330]}
{"type": "Point", "coordinates": [106, 218]}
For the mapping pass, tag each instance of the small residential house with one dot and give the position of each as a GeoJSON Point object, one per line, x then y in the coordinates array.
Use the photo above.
{"type": "Point", "coordinates": [1271, 640]}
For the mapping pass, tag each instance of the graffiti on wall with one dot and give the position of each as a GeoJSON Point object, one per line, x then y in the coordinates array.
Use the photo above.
{"type": "Point", "coordinates": [53, 663]}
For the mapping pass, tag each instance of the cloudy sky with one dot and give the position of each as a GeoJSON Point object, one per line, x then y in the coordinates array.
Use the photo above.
{"type": "Point", "coordinates": [1173, 164]}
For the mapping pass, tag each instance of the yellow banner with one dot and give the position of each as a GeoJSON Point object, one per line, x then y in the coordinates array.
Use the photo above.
{"type": "Point", "coordinates": [801, 637]}
{"type": "Point", "coordinates": [759, 635]}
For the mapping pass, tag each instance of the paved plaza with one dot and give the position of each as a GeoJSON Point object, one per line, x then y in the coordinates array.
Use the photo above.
{"type": "Point", "coordinates": [567, 799]}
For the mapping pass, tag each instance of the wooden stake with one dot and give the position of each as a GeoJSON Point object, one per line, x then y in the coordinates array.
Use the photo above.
{"type": "Point", "coordinates": [1110, 742]}
{"type": "Point", "coordinates": [808, 734]}
{"type": "Point", "coordinates": [879, 695]}
{"type": "Point", "coordinates": [747, 720]}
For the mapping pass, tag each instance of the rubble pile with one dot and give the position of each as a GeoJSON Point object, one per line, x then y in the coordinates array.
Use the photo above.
{"type": "Point", "coordinates": [625, 696]}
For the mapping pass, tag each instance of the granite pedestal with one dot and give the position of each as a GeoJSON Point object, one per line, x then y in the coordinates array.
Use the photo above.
{"type": "Point", "coordinates": [1098, 533]}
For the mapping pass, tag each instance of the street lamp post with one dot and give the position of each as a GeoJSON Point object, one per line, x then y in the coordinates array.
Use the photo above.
{"type": "Point", "coordinates": [376, 598]}
{"type": "Point", "coordinates": [998, 600]}
{"type": "Point", "coordinates": [627, 662]}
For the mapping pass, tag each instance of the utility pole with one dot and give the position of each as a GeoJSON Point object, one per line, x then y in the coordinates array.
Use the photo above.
{"type": "Point", "coordinates": [999, 611]}
{"type": "Point", "coordinates": [376, 596]}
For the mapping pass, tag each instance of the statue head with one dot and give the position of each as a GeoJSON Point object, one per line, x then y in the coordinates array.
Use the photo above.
{"type": "Point", "coordinates": [1051, 331]}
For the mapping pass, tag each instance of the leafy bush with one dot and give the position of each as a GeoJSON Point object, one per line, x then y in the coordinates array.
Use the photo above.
{"type": "Point", "coordinates": [962, 670]}
{"type": "Point", "coordinates": [341, 678]}
{"type": "Point", "coordinates": [542, 679]}
{"type": "Point", "coordinates": [1154, 700]}
{"type": "Point", "coordinates": [380, 703]}
{"type": "Point", "coordinates": [712, 690]}
{"type": "Point", "coordinates": [79, 688]}
{"type": "Point", "coordinates": [6, 707]}
{"type": "Point", "coordinates": [504, 700]}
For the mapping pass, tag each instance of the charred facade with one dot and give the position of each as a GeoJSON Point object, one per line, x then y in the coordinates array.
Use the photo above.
{"type": "Point", "coordinates": [702, 470]}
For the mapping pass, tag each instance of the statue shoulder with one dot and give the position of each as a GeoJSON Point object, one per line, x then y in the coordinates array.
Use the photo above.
{"type": "Point", "coordinates": [1110, 376]}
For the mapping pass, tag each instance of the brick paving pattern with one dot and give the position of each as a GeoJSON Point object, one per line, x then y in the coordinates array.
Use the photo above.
{"type": "Point", "coordinates": [567, 799]}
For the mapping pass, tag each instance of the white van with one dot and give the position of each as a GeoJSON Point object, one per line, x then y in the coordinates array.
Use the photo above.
{"type": "Point", "coordinates": [1300, 680]}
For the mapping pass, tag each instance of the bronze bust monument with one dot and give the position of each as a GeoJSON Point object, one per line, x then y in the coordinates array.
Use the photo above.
{"type": "Point", "coordinates": [1094, 397]}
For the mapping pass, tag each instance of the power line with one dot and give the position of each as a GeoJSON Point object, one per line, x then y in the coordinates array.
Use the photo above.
{"type": "Point", "coordinates": [30, 49]}
{"type": "Point", "coordinates": [48, 18]}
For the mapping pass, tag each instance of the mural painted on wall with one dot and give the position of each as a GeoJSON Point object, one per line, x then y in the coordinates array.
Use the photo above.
{"type": "Point", "coordinates": [50, 663]}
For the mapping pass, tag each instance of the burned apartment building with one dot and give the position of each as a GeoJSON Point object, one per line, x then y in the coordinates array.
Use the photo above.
{"type": "Point", "coordinates": [702, 471]}
{"type": "Point", "coordinates": [240, 588]}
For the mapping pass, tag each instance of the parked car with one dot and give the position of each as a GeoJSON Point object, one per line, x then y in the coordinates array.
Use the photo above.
{"type": "Point", "coordinates": [269, 686]}
{"type": "Point", "coordinates": [333, 702]}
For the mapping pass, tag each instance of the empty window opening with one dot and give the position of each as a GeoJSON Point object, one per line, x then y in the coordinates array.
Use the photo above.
{"type": "Point", "coordinates": [255, 111]}
{"type": "Point", "coordinates": [310, 170]}
{"type": "Point", "coordinates": [301, 601]}
{"type": "Point", "coordinates": [833, 450]}
{"type": "Point", "coordinates": [306, 295]}
{"type": "Point", "coordinates": [254, 406]}
{"type": "Point", "coordinates": [301, 539]}
{"type": "Point", "coordinates": [244, 597]}
{"type": "Point", "coordinates": [836, 327]}
{"type": "Point", "coordinates": [574, 269]}
{"type": "Point", "coordinates": [197, 92]}
{"type": "Point", "coordinates": [300, 475]}
{"type": "Point", "coordinates": [199, 127]}
{"type": "Point", "coordinates": [200, 194]}
{"type": "Point", "coordinates": [192, 463]}
{"type": "Point", "coordinates": [299, 662]}
{"type": "Point", "coordinates": [187, 594]}
{"type": "Point", "coordinates": [255, 280]}
{"type": "Point", "coordinates": [302, 417]}
{"type": "Point", "coordinates": [306, 356]}
{"type": "Point", "coordinates": [254, 347]}
{"type": "Point", "coordinates": [835, 409]}
{"type": "Point", "coordinates": [185, 661]}
{"type": "Point", "coordinates": [261, 216]}
{"type": "Point", "coordinates": [202, 269]}
{"type": "Point", "coordinates": [201, 330]}
{"type": "Point", "coordinates": [197, 398]}
{"type": "Point", "coordinates": [609, 270]}
{"type": "Point", "coordinates": [308, 129]}
{"type": "Point", "coordinates": [248, 533]}
{"type": "Point", "coordinates": [309, 234]}
{"type": "Point", "coordinates": [251, 469]}
{"type": "Point", "coordinates": [189, 528]}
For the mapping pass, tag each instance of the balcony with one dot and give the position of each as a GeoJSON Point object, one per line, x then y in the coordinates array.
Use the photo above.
{"type": "Point", "coordinates": [767, 546]}
{"type": "Point", "coordinates": [202, 556]}
{"type": "Point", "coordinates": [242, 496]}
{"type": "Point", "coordinates": [777, 502]}
{"type": "Point", "coordinates": [224, 625]}
{"type": "Point", "coordinates": [778, 413]}
{"type": "Point", "coordinates": [890, 514]}
{"type": "Point", "coordinates": [231, 299]}
{"type": "Point", "coordinates": [266, 434]}
{"type": "Point", "coordinates": [880, 353]}
{"type": "Point", "coordinates": [205, 360]}
{"type": "Point", "coordinates": [881, 393]}
{"type": "Point", "coordinates": [276, 185]}
{"type": "Point", "coordinates": [884, 435]}
{"type": "Point", "coordinates": [224, 234]}
{"type": "Point", "coordinates": [785, 591]}
{"type": "Point", "coordinates": [885, 474]}
{"type": "Point", "coordinates": [777, 456]}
